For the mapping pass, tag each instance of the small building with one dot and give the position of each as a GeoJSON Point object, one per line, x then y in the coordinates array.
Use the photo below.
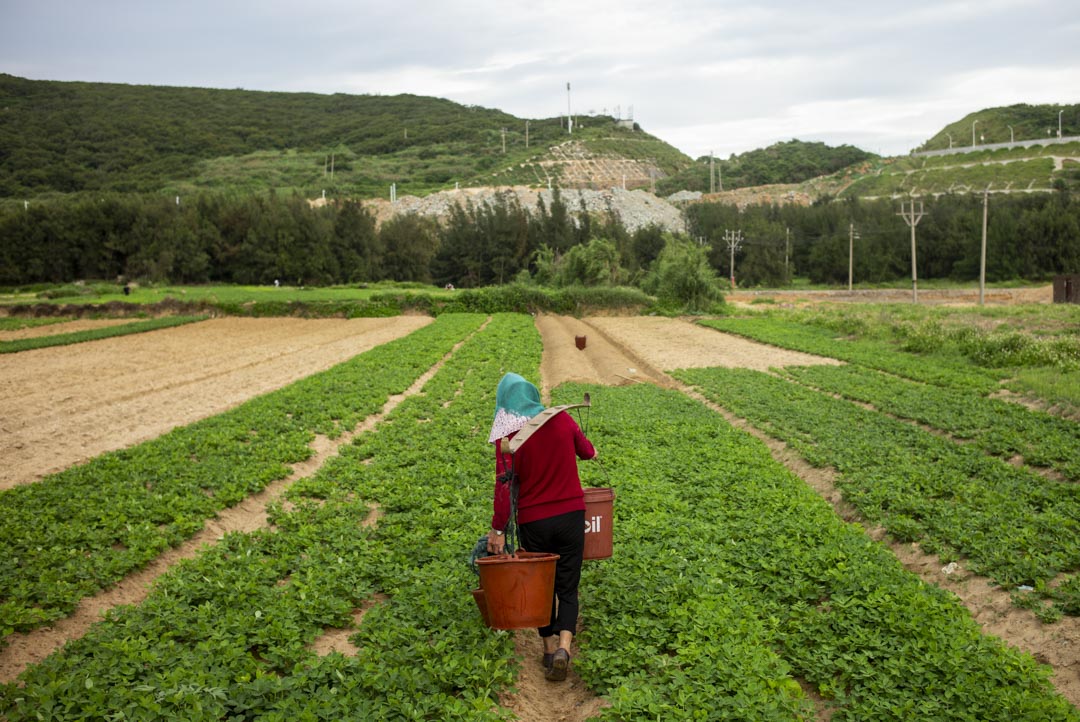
{"type": "Point", "coordinates": [1067, 288]}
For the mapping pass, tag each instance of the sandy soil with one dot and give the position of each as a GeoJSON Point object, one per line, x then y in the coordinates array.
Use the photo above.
{"type": "Point", "coordinates": [935, 297]}
{"type": "Point", "coordinates": [67, 404]}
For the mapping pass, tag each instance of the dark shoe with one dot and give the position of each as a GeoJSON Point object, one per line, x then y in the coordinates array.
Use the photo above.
{"type": "Point", "coordinates": [560, 663]}
{"type": "Point", "coordinates": [548, 656]}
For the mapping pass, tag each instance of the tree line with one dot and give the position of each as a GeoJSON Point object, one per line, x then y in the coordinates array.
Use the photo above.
{"type": "Point", "coordinates": [257, 239]}
{"type": "Point", "coordinates": [1029, 236]}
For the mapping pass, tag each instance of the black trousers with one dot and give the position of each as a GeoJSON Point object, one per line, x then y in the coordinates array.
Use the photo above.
{"type": "Point", "coordinates": [563, 535]}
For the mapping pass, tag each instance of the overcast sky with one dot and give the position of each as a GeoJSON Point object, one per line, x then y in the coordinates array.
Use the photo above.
{"type": "Point", "coordinates": [705, 76]}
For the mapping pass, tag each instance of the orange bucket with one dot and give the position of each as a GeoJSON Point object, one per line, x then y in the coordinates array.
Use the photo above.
{"type": "Point", "coordinates": [598, 532]}
{"type": "Point", "coordinates": [481, 604]}
{"type": "Point", "coordinates": [517, 590]}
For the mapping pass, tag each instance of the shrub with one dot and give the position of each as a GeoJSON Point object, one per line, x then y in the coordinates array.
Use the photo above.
{"type": "Point", "coordinates": [683, 276]}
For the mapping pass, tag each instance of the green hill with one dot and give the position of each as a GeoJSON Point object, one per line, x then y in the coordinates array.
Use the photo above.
{"type": "Point", "coordinates": [794, 161]}
{"type": "Point", "coordinates": [1014, 170]}
{"type": "Point", "coordinates": [70, 137]}
{"type": "Point", "coordinates": [1034, 164]}
{"type": "Point", "coordinates": [814, 170]}
{"type": "Point", "coordinates": [1007, 124]}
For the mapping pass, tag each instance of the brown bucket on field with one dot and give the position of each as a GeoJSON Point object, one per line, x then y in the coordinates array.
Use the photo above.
{"type": "Point", "coordinates": [598, 503]}
{"type": "Point", "coordinates": [579, 341]}
{"type": "Point", "coordinates": [517, 590]}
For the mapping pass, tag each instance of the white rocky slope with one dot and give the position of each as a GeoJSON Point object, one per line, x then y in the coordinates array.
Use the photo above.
{"type": "Point", "coordinates": [636, 208]}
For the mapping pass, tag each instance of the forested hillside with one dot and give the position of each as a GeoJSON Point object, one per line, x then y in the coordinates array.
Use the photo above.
{"type": "Point", "coordinates": [65, 137]}
{"type": "Point", "coordinates": [793, 161]}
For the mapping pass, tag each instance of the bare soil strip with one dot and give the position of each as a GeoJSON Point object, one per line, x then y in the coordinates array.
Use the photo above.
{"type": "Point", "coordinates": [659, 345]}
{"type": "Point", "coordinates": [538, 700]}
{"type": "Point", "coordinates": [600, 361]}
{"type": "Point", "coordinates": [667, 343]}
{"type": "Point", "coordinates": [249, 515]}
{"type": "Point", "coordinates": [65, 405]}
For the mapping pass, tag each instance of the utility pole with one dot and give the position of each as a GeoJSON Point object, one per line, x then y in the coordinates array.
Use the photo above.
{"type": "Point", "coordinates": [912, 218]}
{"type": "Point", "coordinates": [787, 252]}
{"type": "Point", "coordinates": [504, 140]}
{"type": "Point", "coordinates": [569, 123]}
{"type": "Point", "coordinates": [852, 235]}
{"type": "Point", "coordinates": [982, 256]}
{"type": "Point", "coordinates": [331, 167]}
{"type": "Point", "coordinates": [712, 174]}
{"type": "Point", "coordinates": [526, 134]}
{"type": "Point", "coordinates": [720, 176]}
{"type": "Point", "coordinates": [733, 239]}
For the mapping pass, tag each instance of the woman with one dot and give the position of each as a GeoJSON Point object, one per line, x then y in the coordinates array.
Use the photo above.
{"type": "Point", "coordinates": [551, 504]}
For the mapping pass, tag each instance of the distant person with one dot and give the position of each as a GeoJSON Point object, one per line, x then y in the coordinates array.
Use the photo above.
{"type": "Point", "coordinates": [277, 283]}
{"type": "Point", "coordinates": [551, 504]}
{"type": "Point", "coordinates": [127, 289]}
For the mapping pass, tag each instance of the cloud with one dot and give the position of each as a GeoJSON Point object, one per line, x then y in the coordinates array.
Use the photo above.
{"type": "Point", "coordinates": [700, 74]}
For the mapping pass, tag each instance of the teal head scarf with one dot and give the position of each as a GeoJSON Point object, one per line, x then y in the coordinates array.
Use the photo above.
{"type": "Point", "coordinates": [516, 401]}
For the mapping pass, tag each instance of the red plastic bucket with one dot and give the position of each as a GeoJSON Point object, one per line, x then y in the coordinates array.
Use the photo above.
{"type": "Point", "coordinates": [579, 341]}
{"type": "Point", "coordinates": [598, 532]}
{"type": "Point", "coordinates": [518, 590]}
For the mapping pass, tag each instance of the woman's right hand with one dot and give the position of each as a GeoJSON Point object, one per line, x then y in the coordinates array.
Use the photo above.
{"type": "Point", "coordinates": [496, 542]}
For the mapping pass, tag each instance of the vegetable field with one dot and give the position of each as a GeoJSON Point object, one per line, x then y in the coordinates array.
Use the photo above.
{"type": "Point", "coordinates": [735, 590]}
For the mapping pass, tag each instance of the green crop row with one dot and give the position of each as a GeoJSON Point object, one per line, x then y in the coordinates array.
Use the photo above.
{"type": "Point", "coordinates": [879, 355]}
{"type": "Point", "coordinates": [83, 529]}
{"type": "Point", "coordinates": [731, 581]}
{"type": "Point", "coordinates": [998, 427]}
{"type": "Point", "coordinates": [1008, 523]}
{"type": "Point", "coordinates": [225, 635]}
{"type": "Point", "coordinates": [17, 323]}
{"type": "Point", "coordinates": [64, 339]}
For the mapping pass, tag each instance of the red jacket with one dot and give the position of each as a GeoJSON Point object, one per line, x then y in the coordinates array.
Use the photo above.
{"type": "Point", "coordinates": [546, 466]}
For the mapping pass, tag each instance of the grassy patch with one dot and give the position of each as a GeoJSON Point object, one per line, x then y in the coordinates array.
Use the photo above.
{"type": "Point", "coordinates": [64, 339]}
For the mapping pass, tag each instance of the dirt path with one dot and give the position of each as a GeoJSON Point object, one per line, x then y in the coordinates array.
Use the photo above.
{"type": "Point", "coordinates": [928, 297]}
{"type": "Point", "coordinates": [67, 404]}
